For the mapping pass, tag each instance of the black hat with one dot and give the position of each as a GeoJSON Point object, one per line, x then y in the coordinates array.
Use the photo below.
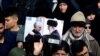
{"type": "Point", "coordinates": [80, 24]}
{"type": "Point", "coordinates": [52, 23]}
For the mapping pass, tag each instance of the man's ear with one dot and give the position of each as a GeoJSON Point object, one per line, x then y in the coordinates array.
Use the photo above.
{"type": "Point", "coordinates": [15, 18]}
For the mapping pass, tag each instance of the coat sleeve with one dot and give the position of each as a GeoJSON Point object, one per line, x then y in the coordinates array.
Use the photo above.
{"type": "Point", "coordinates": [95, 47]}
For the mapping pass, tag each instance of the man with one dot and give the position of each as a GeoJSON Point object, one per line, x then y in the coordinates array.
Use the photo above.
{"type": "Point", "coordinates": [5, 44]}
{"type": "Point", "coordinates": [79, 48]}
{"type": "Point", "coordinates": [35, 31]}
{"type": "Point", "coordinates": [33, 36]}
{"type": "Point", "coordinates": [77, 32]}
{"type": "Point", "coordinates": [61, 49]}
{"type": "Point", "coordinates": [52, 28]}
{"type": "Point", "coordinates": [11, 26]}
{"type": "Point", "coordinates": [37, 28]}
{"type": "Point", "coordinates": [11, 19]}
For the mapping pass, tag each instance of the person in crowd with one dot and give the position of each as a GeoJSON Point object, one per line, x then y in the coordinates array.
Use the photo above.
{"type": "Point", "coordinates": [79, 48]}
{"type": "Point", "coordinates": [61, 49]}
{"type": "Point", "coordinates": [19, 50]}
{"type": "Point", "coordinates": [52, 28]}
{"type": "Point", "coordinates": [35, 31]}
{"type": "Point", "coordinates": [11, 19]}
{"type": "Point", "coordinates": [64, 11]}
{"type": "Point", "coordinates": [98, 8]}
{"type": "Point", "coordinates": [5, 43]}
{"type": "Point", "coordinates": [35, 46]}
{"type": "Point", "coordinates": [92, 16]}
{"type": "Point", "coordinates": [20, 44]}
{"type": "Point", "coordinates": [77, 32]}
{"type": "Point", "coordinates": [31, 35]}
{"type": "Point", "coordinates": [12, 28]}
{"type": "Point", "coordinates": [88, 27]}
{"type": "Point", "coordinates": [52, 48]}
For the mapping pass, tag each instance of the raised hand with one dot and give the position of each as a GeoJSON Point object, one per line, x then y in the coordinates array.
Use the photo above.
{"type": "Point", "coordinates": [38, 47]}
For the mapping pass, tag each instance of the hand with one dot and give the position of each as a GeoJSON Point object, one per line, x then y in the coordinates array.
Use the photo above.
{"type": "Point", "coordinates": [38, 47]}
{"type": "Point", "coordinates": [31, 33]}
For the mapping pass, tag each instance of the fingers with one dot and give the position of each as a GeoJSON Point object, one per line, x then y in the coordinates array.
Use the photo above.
{"type": "Point", "coordinates": [41, 40]}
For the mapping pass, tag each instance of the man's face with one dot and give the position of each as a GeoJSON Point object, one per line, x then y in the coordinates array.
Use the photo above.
{"type": "Point", "coordinates": [60, 53]}
{"type": "Point", "coordinates": [77, 31]}
{"type": "Point", "coordinates": [38, 27]}
{"type": "Point", "coordinates": [1, 29]}
{"type": "Point", "coordinates": [10, 22]}
{"type": "Point", "coordinates": [85, 52]}
{"type": "Point", "coordinates": [50, 28]}
{"type": "Point", "coordinates": [63, 7]}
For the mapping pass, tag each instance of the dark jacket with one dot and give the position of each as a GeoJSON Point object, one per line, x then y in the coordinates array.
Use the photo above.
{"type": "Point", "coordinates": [55, 33]}
{"type": "Point", "coordinates": [29, 37]}
{"type": "Point", "coordinates": [64, 16]}
{"type": "Point", "coordinates": [29, 42]}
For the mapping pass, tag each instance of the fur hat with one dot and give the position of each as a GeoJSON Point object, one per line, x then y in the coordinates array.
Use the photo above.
{"type": "Point", "coordinates": [52, 23]}
{"type": "Point", "coordinates": [78, 17]}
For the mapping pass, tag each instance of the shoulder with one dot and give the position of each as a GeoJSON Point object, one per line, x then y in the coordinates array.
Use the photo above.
{"type": "Point", "coordinates": [65, 36]}
{"type": "Point", "coordinates": [90, 37]}
{"type": "Point", "coordinates": [21, 27]}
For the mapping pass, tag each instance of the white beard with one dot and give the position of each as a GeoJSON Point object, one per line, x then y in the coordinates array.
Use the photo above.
{"type": "Point", "coordinates": [77, 34]}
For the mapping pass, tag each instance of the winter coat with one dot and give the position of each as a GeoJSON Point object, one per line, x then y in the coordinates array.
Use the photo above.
{"type": "Point", "coordinates": [89, 40]}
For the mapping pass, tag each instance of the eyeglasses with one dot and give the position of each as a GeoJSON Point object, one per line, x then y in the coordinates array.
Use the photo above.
{"type": "Point", "coordinates": [88, 27]}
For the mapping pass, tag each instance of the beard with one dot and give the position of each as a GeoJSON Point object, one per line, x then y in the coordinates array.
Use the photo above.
{"type": "Point", "coordinates": [77, 34]}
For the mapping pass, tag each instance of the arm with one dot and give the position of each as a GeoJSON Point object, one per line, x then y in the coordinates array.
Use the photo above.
{"type": "Point", "coordinates": [38, 48]}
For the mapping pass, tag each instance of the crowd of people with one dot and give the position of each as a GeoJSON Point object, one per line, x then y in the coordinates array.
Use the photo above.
{"type": "Point", "coordinates": [80, 35]}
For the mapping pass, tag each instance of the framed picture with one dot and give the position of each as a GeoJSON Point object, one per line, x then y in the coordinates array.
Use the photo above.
{"type": "Point", "coordinates": [32, 22]}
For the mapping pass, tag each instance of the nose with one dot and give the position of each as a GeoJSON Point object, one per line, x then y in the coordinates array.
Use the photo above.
{"type": "Point", "coordinates": [6, 22]}
{"type": "Point", "coordinates": [60, 55]}
{"type": "Point", "coordinates": [62, 6]}
{"type": "Point", "coordinates": [77, 29]}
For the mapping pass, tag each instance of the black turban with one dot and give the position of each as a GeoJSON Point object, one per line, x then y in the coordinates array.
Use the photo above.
{"type": "Point", "coordinates": [52, 23]}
